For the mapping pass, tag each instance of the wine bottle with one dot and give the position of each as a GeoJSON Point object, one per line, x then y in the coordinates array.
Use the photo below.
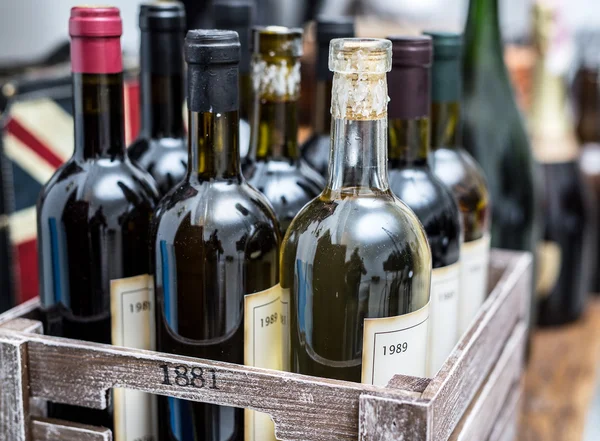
{"type": "Point", "coordinates": [413, 181]}
{"type": "Point", "coordinates": [238, 15]}
{"type": "Point", "coordinates": [460, 172]}
{"type": "Point", "coordinates": [587, 90]}
{"type": "Point", "coordinates": [274, 166]}
{"type": "Point", "coordinates": [568, 228]}
{"type": "Point", "coordinates": [494, 133]}
{"type": "Point", "coordinates": [93, 222]}
{"type": "Point", "coordinates": [215, 250]}
{"type": "Point", "coordinates": [161, 148]}
{"type": "Point", "coordinates": [8, 297]}
{"type": "Point", "coordinates": [355, 261]}
{"type": "Point", "coordinates": [316, 150]}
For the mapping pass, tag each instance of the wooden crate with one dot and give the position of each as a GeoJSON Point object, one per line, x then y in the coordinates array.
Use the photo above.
{"type": "Point", "coordinates": [474, 397]}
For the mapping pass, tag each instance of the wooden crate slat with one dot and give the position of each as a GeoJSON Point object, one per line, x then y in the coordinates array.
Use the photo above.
{"type": "Point", "coordinates": [479, 419]}
{"type": "Point", "coordinates": [81, 373]}
{"type": "Point", "coordinates": [384, 419]}
{"type": "Point", "coordinates": [47, 429]}
{"type": "Point", "coordinates": [507, 422]}
{"type": "Point", "coordinates": [13, 388]}
{"type": "Point", "coordinates": [23, 325]}
{"type": "Point", "coordinates": [462, 375]}
{"type": "Point", "coordinates": [21, 311]}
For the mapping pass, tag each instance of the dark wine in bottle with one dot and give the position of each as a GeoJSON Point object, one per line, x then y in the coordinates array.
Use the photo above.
{"type": "Point", "coordinates": [494, 133]}
{"type": "Point", "coordinates": [565, 256]}
{"type": "Point", "coordinates": [274, 166]}
{"type": "Point", "coordinates": [7, 269]}
{"type": "Point", "coordinates": [93, 223]}
{"type": "Point", "coordinates": [317, 149]}
{"type": "Point", "coordinates": [355, 261]}
{"type": "Point", "coordinates": [215, 250]}
{"type": "Point", "coordinates": [161, 148]}
{"type": "Point", "coordinates": [460, 172]}
{"type": "Point", "coordinates": [587, 90]}
{"type": "Point", "coordinates": [238, 15]}
{"type": "Point", "coordinates": [413, 181]}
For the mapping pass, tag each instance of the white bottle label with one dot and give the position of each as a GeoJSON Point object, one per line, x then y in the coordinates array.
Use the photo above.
{"type": "Point", "coordinates": [265, 319]}
{"type": "Point", "coordinates": [132, 309]}
{"type": "Point", "coordinates": [395, 345]}
{"type": "Point", "coordinates": [474, 260]}
{"type": "Point", "coordinates": [443, 326]}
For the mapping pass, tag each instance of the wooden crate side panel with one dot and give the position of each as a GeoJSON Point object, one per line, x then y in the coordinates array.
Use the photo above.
{"type": "Point", "coordinates": [46, 429]}
{"type": "Point", "coordinates": [382, 419]}
{"type": "Point", "coordinates": [479, 419]}
{"type": "Point", "coordinates": [82, 373]}
{"type": "Point", "coordinates": [13, 389]}
{"type": "Point", "coordinates": [453, 389]}
{"type": "Point", "coordinates": [507, 423]}
{"type": "Point", "coordinates": [23, 325]}
{"type": "Point", "coordinates": [24, 310]}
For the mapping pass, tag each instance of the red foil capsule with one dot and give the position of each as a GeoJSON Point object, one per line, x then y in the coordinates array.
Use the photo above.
{"type": "Point", "coordinates": [96, 40]}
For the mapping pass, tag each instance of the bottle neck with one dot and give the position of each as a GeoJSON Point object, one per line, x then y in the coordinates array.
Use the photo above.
{"type": "Point", "coordinates": [409, 142]}
{"type": "Point", "coordinates": [213, 146]}
{"type": "Point", "coordinates": [409, 116]}
{"type": "Point", "coordinates": [445, 124]}
{"type": "Point", "coordinates": [275, 110]}
{"type": "Point", "coordinates": [483, 37]}
{"type": "Point", "coordinates": [98, 115]}
{"type": "Point", "coordinates": [358, 159]}
{"type": "Point", "coordinates": [245, 95]}
{"type": "Point", "coordinates": [322, 115]}
{"type": "Point", "coordinates": [161, 87]}
{"type": "Point", "coordinates": [588, 85]}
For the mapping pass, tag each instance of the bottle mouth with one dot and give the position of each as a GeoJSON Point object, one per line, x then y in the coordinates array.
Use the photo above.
{"type": "Point", "coordinates": [411, 51]}
{"type": "Point", "coordinates": [212, 46]}
{"type": "Point", "coordinates": [162, 16]}
{"type": "Point", "coordinates": [95, 21]}
{"type": "Point", "coordinates": [360, 55]}
{"type": "Point", "coordinates": [276, 41]}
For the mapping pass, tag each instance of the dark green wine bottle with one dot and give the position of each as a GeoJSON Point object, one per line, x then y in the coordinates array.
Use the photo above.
{"type": "Point", "coordinates": [460, 172]}
{"type": "Point", "coordinates": [566, 252]}
{"type": "Point", "coordinates": [274, 165]}
{"type": "Point", "coordinates": [355, 260]}
{"type": "Point", "coordinates": [494, 133]}
{"type": "Point", "coordinates": [215, 251]}
{"type": "Point", "coordinates": [413, 181]}
{"type": "Point", "coordinates": [317, 149]}
{"type": "Point", "coordinates": [238, 15]}
{"type": "Point", "coordinates": [161, 148]}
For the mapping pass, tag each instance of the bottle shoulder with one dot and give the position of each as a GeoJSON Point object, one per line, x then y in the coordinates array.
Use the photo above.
{"type": "Point", "coordinates": [113, 185]}
{"type": "Point", "coordinates": [458, 170]}
{"type": "Point", "coordinates": [232, 207]}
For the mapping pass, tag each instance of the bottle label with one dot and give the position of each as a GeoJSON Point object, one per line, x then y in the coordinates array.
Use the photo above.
{"type": "Point", "coordinates": [443, 326]}
{"type": "Point", "coordinates": [474, 262]}
{"type": "Point", "coordinates": [132, 315]}
{"type": "Point", "coordinates": [548, 268]}
{"type": "Point", "coordinates": [265, 342]}
{"type": "Point", "coordinates": [395, 345]}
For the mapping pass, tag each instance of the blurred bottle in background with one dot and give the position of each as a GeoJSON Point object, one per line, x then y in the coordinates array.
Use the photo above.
{"type": "Point", "coordinates": [494, 132]}
{"type": "Point", "coordinates": [565, 253]}
{"type": "Point", "coordinates": [587, 99]}
{"type": "Point", "coordinates": [317, 149]}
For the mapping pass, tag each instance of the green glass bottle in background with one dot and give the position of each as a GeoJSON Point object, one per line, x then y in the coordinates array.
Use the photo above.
{"type": "Point", "coordinates": [238, 15]}
{"type": "Point", "coordinates": [317, 149]}
{"type": "Point", "coordinates": [414, 182]}
{"type": "Point", "coordinates": [355, 261]}
{"type": "Point", "coordinates": [569, 227]}
{"type": "Point", "coordinates": [456, 168]}
{"type": "Point", "coordinates": [274, 165]}
{"type": "Point", "coordinates": [494, 133]}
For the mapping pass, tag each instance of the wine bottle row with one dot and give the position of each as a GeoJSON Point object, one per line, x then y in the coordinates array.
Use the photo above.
{"type": "Point", "coordinates": [369, 264]}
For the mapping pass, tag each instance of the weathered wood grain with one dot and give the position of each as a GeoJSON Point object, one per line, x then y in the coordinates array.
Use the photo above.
{"type": "Point", "coordinates": [408, 383]}
{"type": "Point", "coordinates": [23, 325]}
{"type": "Point", "coordinates": [24, 310]}
{"type": "Point", "coordinates": [384, 419]}
{"type": "Point", "coordinates": [81, 373]}
{"type": "Point", "coordinates": [462, 375]}
{"type": "Point", "coordinates": [506, 425]}
{"type": "Point", "coordinates": [45, 429]}
{"type": "Point", "coordinates": [561, 378]}
{"type": "Point", "coordinates": [13, 388]}
{"type": "Point", "coordinates": [480, 417]}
